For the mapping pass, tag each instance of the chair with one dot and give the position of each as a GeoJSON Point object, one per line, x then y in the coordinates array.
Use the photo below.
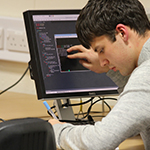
{"type": "Point", "coordinates": [27, 134]}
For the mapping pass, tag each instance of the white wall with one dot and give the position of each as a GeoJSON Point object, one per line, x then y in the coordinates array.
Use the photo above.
{"type": "Point", "coordinates": [10, 72]}
{"type": "Point", "coordinates": [14, 8]}
{"type": "Point", "coordinates": [146, 4]}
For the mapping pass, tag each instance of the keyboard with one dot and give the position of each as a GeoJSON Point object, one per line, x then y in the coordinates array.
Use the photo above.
{"type": "Point", "coordinates": [78, 122]}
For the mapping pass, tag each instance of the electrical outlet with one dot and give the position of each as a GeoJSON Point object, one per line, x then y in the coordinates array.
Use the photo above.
{"type": "Point", "coordinates": [16, 41]}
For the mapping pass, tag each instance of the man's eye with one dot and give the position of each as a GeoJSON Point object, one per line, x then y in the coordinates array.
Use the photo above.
{"type": "Point", "coordinates": [102, 50]}
{"type": "Point", "coordinates": [95, 50]}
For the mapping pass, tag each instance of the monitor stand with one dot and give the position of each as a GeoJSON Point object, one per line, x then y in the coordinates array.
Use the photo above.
{"type": "Point", "coordinates": [64, 113]}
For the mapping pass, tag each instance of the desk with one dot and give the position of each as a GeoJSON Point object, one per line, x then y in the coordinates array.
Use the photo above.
{"type": "Point", "coordinates": [16, 105]}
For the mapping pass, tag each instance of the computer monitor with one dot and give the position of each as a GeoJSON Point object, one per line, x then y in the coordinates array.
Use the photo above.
{"type": "Point", "coordinates": [50, 33]}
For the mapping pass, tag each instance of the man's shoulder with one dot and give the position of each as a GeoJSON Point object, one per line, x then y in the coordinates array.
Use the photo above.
{"type": "Point", "coordinates": [141, 72]}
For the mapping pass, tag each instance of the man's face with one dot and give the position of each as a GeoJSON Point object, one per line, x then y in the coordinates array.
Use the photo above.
{"type": "Point", "coordinates": [117, 55]}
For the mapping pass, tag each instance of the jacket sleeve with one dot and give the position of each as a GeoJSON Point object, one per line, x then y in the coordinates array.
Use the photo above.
{"type": "Point", "coordinates": [125, 120]}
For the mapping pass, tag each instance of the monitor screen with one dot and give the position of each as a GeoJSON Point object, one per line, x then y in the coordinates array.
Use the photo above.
{"type": "Point", "coordinates": [50, 33]}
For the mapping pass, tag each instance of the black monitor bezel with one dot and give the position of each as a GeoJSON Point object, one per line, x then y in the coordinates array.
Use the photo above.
{"type": "Point", "coordinates": [35, 66]}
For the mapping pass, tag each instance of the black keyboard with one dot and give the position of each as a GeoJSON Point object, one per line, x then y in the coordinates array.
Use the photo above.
{"type": "Point", "coordinates": [78, 122]}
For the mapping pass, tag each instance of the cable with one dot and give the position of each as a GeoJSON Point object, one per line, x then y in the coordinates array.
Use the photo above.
{"type": "Point", "coordinates": [89, 109]}
{"type": "Point", "coordinates": [67, 104]}
{"type": "Point", "coordinates": [110, 98]}
{"type": "Point", "coordinates": [107, 105]}
{"type": "Point", "coordinates": [100, 99]}
{"type": "Point", "coordinates": [16, 82]}
{"type": "Point", "coordinates": [80, 110]}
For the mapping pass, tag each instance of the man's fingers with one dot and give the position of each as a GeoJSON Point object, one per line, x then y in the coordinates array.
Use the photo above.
{"type": "Point", "coordinates": [85, 63]}
{"type": "Point", "coordinates": [78, 48]}
{"type": "Point", "coordinates": [76, 55]}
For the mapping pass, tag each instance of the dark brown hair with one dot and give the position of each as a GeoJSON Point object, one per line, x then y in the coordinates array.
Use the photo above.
{"type": "Point", "coordinates": [100, 17]}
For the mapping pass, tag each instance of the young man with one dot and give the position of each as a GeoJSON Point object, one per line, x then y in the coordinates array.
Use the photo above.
{"type": "Point", "coordinates": [119, 33]}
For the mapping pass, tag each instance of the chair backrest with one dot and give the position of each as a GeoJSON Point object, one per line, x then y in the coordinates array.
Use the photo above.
{"type": "Point", "coordinates": [27, 134]}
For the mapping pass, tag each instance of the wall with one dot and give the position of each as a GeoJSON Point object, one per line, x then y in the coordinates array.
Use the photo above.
{"type": "Point", "coordinates": [146, 4]}
{"type": "Point", "coordinates": [10, 71]}
{"type": "Point", "coordinates": [14, 8]}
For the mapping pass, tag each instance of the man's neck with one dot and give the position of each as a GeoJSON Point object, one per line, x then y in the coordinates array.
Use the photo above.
{"type": "Point", "coordinates": [143, 40]}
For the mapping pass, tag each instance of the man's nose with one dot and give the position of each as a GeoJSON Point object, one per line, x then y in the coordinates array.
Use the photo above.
{"type": "Point", "coordinates": [103, 62]}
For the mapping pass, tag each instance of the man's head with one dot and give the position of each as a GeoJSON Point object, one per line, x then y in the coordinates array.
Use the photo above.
{"type": "Point", "coordinates": [101, 17]}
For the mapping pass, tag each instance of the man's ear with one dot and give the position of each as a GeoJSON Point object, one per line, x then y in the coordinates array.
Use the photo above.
{"type": "Point", "coordinates": [123, 31]}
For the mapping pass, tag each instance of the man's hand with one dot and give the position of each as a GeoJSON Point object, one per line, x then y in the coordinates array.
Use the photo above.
{"type": "Point", "coordinates": [54, 121]}
{"type": "Point", "coordinates": [88, 58]}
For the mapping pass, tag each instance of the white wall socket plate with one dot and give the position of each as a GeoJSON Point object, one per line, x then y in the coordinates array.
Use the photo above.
{"type": "Point", "coordinates": [16, 41]}
{"type": "Point", "coordinates": [13, 41]}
